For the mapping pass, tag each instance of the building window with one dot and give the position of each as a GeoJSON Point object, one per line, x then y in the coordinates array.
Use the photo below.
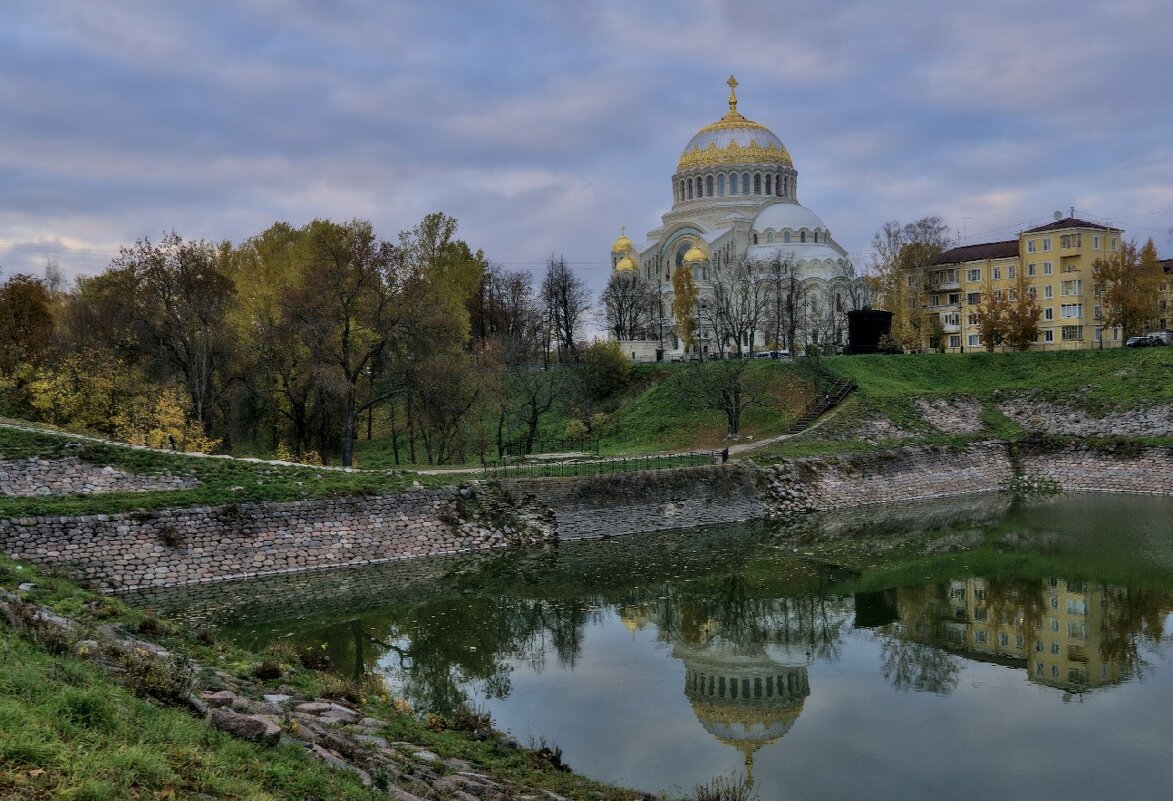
{"type": "Point", "coordinates": [757, 184]}
{"type": "Point", "coordinates": [802, 238]}
{"type": "Point", "coordinates": [953, 318]}
{"type": "Point", "coordinates": [755, 239]}
{"type": "Point", "coordinates": [786, 237]}
{"type": "Point", "coordinates": [975, 341]}
{"type": "Point", "coordinates": [1095, 243]}
{"type": "Point", "coordinates": [1018, 641]}
{"type": "Point", "coordinates": [1030, 246]}
{"type": "Point", "coordinates": [1048, 291]}
{"type": "Point", "coordinates": [954, 298]}
{"type": "Point", "coordinates": [1038, 668]}
{"type": "Point", "coordinates": [934, 300]}
{"type": "Point", "coordinates": [1054, 648]}
{"type": "Point", "coordinates": [1068, 311]}
{"type": "Point", "coordinates": [1054, 624]}
{"type": "Point", "coordinates": [974, 275]}
{"type": "Point", "coordinates": [690, 189]}
{"type": "Point", "coordinates": [1046, 244]}
{"type": "Point", "coordinates": [721, 186]}
{"type": "Point", "coordinates": [1073, 287]}
{"type": "Point", "coordinates": [769, 184]}
{"type": "Point", "coordinates": [733, 184]}
{"type": "Point", "coordinates": [1012, 271]}
{"type": "Point", "coordinates": [973, 298]}
{"type": "Point", "coordinates": [1030, 269]}
{"type": "Point", "coordinates": [1070, 240]}
{"type": "Point", "coordinates": [955, 340]}
{"type": "Point", "coordinates": [1073, 332]}
{"type": "Point", "coordinates": [709, 186]}
{"type": "Point", "coordinates": [1046, 268]}
{"type": "Point", "coordinates": [1048, 314]}
{"type": "Point", "coordinates": [769, 237]}
{"type": "Point", "coordinates": [1112, 244]}
{"type": "Point", "coordinates": [745, 183]}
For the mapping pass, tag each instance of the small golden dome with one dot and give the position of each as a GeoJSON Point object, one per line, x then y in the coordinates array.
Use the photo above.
{"type": "Point", "coordinates": [625, 265]}
{"type": "Point", "coordinates": [695, 256]}
{"type": "Point", "coordinates": [622, 244]}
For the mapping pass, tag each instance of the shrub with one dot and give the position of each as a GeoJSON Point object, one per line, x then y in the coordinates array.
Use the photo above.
{"type": "Point", "coordinates": [267, 668]}
{"type": "Point", "coordinates": [731, 788]}
{"type": "Point", "coordinates": [165, 680]}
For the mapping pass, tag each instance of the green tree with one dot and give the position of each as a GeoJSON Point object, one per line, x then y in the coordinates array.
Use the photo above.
{"type": "Point", "coordinates": [1129, 283]}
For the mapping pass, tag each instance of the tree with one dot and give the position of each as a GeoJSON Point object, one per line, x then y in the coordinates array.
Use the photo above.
{"type": "Point", "coordinates": [1023, 314]}
{"type": "Point", "coordinates": [729, 386]}
{"type": "Point", "coordinates": [684, 307]}
{"type": "Point", "coordinates": [1128, 283]}
{"type": "Point", "coordinates": [180, 312]}
{"type": "Point", "coordinates": [566, 301]}
{"type": "Point", "coordinates": [992, 323]}
{"type": "Point", "coordinates": [26, 321]}
{"type": "Point", "coordinates": [349, 305]}
{"type": "Point", "coordinates": [784, 302]}
{"type": "Point", "coordinates": [737, 304]}
{"type": "Point", "coordinates": [630, 304]}
{"type": "Point", "coordinates": [901, 257]}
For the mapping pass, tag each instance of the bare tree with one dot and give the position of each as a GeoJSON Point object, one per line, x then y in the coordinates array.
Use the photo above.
{"type": "Point", "coordinates": [566, 301]}
{"type": "Point", "coordinates": [737, 304]}
{"type": "Point", "coordinates": [784, 302]}
{"type": "Point", "coordinates": [631, 305]}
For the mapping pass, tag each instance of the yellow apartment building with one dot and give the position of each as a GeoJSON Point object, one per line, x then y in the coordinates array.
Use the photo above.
{"type": "Point", "coordinates": [1057, 259]}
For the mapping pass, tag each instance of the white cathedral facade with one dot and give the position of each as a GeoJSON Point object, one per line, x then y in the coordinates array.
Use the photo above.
{"type": "Point", "coordinates": [735, 201]}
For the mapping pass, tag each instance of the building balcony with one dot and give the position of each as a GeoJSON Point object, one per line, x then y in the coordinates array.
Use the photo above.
{"type": "Point", "coordinates": [944, 285]}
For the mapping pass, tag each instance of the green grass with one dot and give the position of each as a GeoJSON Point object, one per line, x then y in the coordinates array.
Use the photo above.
{"type": "Point", "coordinates": [68, 731]}
{"type": "Point", "coordinates": [221, 480]}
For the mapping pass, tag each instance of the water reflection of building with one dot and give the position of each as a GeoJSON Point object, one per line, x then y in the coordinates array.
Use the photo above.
{"type": "Point", "coordinates": [1062, 633]}
{"type": "Point", "coordinates": [746, 664]}
{"type": "Point", "coordinates": [745, 696]}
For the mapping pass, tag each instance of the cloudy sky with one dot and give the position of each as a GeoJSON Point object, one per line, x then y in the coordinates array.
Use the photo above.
{"type": "Point", "coordinates": [544, 126]}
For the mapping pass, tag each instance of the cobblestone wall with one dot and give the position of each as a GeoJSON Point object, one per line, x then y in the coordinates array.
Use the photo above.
{"type": "Point", "coordinates": [653, 500]}
{"type": "Point", "coordinates": [894, 476]}
{"type": "Point", "coordinates": [1083, 468]}
{"type": "Point", "coordinates": [71, 476]}
{"type": "Point", "coordinates": [207, 544]}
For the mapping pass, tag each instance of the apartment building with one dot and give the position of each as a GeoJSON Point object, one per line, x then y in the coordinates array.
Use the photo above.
{"type": "Point", "coordinates": [1057, 259]}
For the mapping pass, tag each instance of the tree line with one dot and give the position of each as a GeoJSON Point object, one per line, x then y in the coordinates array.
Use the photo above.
{"type": "Point", "coordinates": [300, 341]}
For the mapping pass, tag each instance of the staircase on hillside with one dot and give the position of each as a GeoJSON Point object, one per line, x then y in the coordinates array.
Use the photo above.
{"type": "Point", "coordinates": [838, 389]}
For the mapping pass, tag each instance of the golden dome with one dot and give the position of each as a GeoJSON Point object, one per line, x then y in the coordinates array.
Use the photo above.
{"type": "Point", "coordinates": [695, 256]}
{"type": "Point", "coordinates": [733, 139]}
{"type": "Point", "coordinates": [625, 265]}
{"type": "Point", "coordinates": [622, 244]}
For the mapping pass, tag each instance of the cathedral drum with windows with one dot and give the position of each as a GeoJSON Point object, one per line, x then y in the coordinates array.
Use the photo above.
{"type": "Point", "coordinates": [737, 226]}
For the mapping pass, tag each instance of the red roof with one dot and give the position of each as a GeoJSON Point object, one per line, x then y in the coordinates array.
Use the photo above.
{"type": "Point", "coordinates": [1069, 222]}
{"type": "Point", "coordinates": [988, 250]}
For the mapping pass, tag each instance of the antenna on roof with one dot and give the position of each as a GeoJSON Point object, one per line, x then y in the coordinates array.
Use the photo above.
{"type": "Point", "coordinates": [1059, 216]}
{"type": "Point", "coordinates": [1073, 212]}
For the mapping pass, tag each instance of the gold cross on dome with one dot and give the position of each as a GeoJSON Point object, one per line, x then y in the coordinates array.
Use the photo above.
{"type": "Point", "coordinates": [732, 82]}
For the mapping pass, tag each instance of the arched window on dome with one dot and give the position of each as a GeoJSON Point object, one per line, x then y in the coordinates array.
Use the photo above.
{"type": "Point", "coordinates": [786, 237]}
{"type": "Point", "coordinates": [816, 237]}
{"type": "Point", "coordinates": [802, 236]}
{"type": "Point", "coordinates": [690, 189]}
{"type": "Point", "coordinates": [769, 184]}
{"type": "Point", "coordinates": [769, 237]}
{"type": "Point", "coordinates": [732, 184]}
{"type": "Point", "coordinates": [786, 186]}
{"type": "Point", "coordinates": [721, 185]}
{"type": "Point", "coordinates": [757, 184]}
{"type": "Point", "coordinates": [755, 239]}
{"type": "Point", "coordinates": [745, 183]}
{"type": "Point", "coordinates": [709, 186]}
{"type": "Point", "coordinates": [682, 189]}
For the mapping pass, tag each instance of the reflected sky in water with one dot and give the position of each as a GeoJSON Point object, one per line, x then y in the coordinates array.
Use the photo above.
{"type": "Point", "coordinates": [663, 665]}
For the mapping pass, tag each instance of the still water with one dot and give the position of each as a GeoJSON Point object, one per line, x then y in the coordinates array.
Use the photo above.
{"type": "Point", "coordinates": [1023, 651]}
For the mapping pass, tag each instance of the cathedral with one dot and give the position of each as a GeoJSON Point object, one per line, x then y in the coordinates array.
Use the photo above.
{"type": "Point", "coordinates": [735, 204]}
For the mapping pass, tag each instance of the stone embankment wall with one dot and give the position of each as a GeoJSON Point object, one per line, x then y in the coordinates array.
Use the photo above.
{"type": "Point", "coordinates": [895, 476]}
{"type": "Point", "coordinates": [628, 503]}
{"type": "Point", "coordinates": [207, 544]}
{"type": "Point", "coordinates": [1063, 420]}
{"type": "Point", "coordinates": [1112, 468]}
{"type": "Point", "coordinates": [71, 476]}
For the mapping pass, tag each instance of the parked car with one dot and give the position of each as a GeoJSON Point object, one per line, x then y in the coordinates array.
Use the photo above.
{"type": "Point", "coordinates": [772, 354]}
{"type": "Point", "coordinates": [1147, 341]}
